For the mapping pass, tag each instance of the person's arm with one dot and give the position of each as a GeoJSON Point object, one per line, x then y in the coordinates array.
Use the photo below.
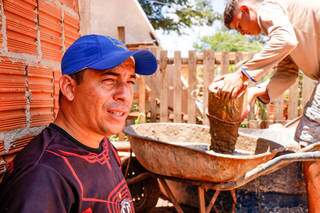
{"type": "Point", "coordinates": [286, 73]}
{"type": "Point", "coordinates": [282, 40]}
{"type": "Point", "coordinates": [40, 190]}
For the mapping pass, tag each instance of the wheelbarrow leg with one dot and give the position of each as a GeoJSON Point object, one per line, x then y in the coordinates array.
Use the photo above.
{"type": "Point", "coordinates": [202, 202]}
{"type": "Point", "coordinates": [204, 209]}
{"type": "Point", "coordinates": [234, 199]}
{"type": "Point", "coordinates": [213, 200]}
{"type": "Point", "coordinates": [171, 196]}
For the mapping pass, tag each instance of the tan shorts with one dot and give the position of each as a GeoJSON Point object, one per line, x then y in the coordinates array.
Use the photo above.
{"type": "Point", "coordinates": [308, 130]}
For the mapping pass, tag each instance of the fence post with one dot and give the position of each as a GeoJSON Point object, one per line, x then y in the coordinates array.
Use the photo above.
{"type": "Point", "coordinates": [164, 87]}
{"type": "Point", "coordinates": [307, 89]}
{"type": "Point", "coordinates": [279, 109]}
{"type": "Point", "coordinates": [208, 75]}
{"type": "Point", "coordinates": [177, 94]}
{"type": "Point", "coordinates": [224, 63]}
{"type": "Point", "coordinates": [239, 57]}
{"type": "Point", "coordinates": [293, 101]}
{"type": "Point", "coordinates": [191, 86]}
{"type": "Point", "coordinates": [142, 98]}
{"type": "Point", "coordinates": [153, 87]}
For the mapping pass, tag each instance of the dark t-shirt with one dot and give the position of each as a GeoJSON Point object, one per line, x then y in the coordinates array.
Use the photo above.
{"type": "Point", "coordinates": [56, 173]}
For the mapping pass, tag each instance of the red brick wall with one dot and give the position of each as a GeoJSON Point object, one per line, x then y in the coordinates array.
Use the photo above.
{"type": "Point", "coordinates": [33, 37]}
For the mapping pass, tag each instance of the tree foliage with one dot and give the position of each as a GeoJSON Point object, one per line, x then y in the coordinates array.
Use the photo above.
{"type": "Point", "coordinates": [177, 15]}
{"type": "Point", "coordinates": [229, 42]}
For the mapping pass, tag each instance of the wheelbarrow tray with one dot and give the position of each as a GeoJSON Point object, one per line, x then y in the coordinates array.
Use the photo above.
{"type": "Point", "coordinates": [181, 151]}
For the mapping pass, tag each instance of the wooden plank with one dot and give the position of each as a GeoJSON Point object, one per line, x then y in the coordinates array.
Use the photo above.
{"type": "Point", "coordinates": [279, 109]}
{"type": "Point", "coordinates": [239, 57]}
{"type": "Point", "coordinates": [154, 86]}
{"type": "Point", "coordinates": [177, 84]}
{"type": "Point", "coordinates": [142, 98]}
{"type": "Point", "coordinates": [208, 75]}
{"type": "Point", "coordinates": [225, 63]}
{"type": "Point", "coordinates": [191, 86]}
{"type": "Point", "coordinates": [164, 87]}
{"type": "Point", "coordinates": [218, 56]}
{"type": "Point", "coordinates": [121, 34]}
{"type": "Point", "coordinates": [307, 89]}
{"type": "Point", "coordinates": [293, 101]}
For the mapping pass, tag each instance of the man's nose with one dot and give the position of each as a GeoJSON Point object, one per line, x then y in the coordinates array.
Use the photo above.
{"type": "Point", "coordinates": [123, 92]}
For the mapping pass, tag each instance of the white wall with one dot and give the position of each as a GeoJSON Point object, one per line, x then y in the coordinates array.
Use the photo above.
{"type": "Point", "coordinates": [104, 16]}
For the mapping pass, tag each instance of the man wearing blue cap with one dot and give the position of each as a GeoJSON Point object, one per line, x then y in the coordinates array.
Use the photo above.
{"type": "Point", "coordinates": [71, 166]}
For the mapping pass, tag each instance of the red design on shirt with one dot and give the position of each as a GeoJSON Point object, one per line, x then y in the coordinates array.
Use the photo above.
{"type": "Point", "coordinates": [88, 210]}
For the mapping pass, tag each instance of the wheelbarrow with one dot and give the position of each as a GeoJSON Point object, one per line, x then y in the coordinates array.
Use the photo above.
{"type": "Point", "coordinates": [180, 152]}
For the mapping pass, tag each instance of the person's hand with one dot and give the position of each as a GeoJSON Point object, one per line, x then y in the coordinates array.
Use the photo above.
{"type": "Point", "coordinates": [252, 94]}
{"type": "Point", "coordinates": [233, 85]}
{"type": "Point", "coordinates": [250, 100]}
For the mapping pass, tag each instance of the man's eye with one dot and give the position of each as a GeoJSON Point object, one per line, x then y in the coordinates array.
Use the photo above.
{"type": "Point", "coordinates": [109, 80]}
{"type": "Point", "coordinates": [132, 82]}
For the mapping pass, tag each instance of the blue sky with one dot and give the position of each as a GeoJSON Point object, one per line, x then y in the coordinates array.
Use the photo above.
{"type": "Point", "coordinates": [184, 43]}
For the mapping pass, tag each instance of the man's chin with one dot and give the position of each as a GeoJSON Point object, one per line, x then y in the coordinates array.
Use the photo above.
{"type": "Point", "coordinates": [115, 129]}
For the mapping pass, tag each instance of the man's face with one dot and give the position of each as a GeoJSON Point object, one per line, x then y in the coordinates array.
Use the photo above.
{"type": "Point", "coordinates": [103, 99]}
{"type": "Point", "coordinates": [245, 21]}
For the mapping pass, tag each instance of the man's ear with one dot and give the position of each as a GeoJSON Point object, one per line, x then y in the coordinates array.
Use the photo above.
{"type": "Point", "coordinates": [244, 9]}
{"type": "Point", "coordinates": [67, 87]}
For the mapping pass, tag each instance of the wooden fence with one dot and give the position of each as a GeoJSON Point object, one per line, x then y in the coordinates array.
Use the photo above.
{"type": "Point", "coordinates": [178, 91]}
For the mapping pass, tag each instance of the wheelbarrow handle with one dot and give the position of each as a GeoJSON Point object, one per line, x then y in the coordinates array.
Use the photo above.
{"type": "Point", "coordinates": [269, 167]}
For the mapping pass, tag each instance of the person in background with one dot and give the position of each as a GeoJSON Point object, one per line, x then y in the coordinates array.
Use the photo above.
{"type": "Point", "coordinates": [293, 31]}
{"type": "Point", "coordinates": [71, 166]}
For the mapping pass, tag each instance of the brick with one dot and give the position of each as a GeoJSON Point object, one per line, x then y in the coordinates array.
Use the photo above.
{"type": "Point", "coordinates": [21, 25]}
{"type": "Point", "coordinates": [40, 82]}
{"type": "Point", "coordinates": [1, 147]}
{"type": "Point", "coordinates": [71, 29]}
{"type": "Point", "coordinates": [50, 21]}
{"type": "Point", "coordinates": [6, 164]}
{"type": "Point", "coordinates": [1, 29]}
{"type": "Point", "coordinates": [17, 145]}
{"type": "Point", "coordinates": [12, 95]}
{"type": "Point", "coordinates": [2, 167]}
{"type": "Point", "coordinates": [9, 161]}
{"type": "Point", "coordinates": [56, 89]}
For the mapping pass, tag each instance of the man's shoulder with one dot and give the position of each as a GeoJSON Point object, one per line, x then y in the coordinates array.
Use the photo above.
{"type": "Point", "coordinates": [40, 150]}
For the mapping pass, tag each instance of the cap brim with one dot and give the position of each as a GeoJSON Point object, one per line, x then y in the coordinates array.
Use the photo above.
{"type": "Point", "coordinates": [145, 62]}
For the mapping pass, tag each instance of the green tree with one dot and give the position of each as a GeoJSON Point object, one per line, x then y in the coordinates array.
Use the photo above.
{"type": "Point", "coordinates": [177, 15]}
{"type": "Point", "coordinates": [228, 41]}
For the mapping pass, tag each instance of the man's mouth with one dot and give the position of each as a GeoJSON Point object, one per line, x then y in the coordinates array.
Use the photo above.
{"type": "Point", "coordinates": [117, 113]}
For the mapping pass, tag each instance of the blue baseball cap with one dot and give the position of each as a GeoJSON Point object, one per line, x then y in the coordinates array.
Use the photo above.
{"type": "Point", "coordinates": [100, 52]}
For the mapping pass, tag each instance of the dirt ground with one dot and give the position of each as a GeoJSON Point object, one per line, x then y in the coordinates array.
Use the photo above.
{"type": "Point", "coordinates": [164, 206]}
